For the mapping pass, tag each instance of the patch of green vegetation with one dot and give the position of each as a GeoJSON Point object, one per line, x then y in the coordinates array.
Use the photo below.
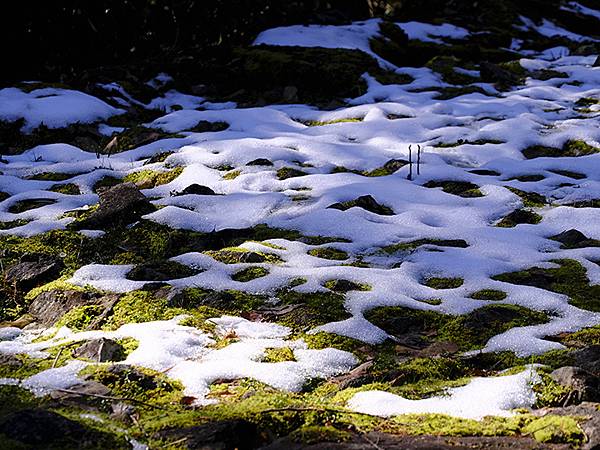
{"type": "Point", "coordinates": [488, 294]}
{"type": "Point", "coordinates": [446, 67]}
{"type": "Point", "coordinates": [466, 141]}
{"type": "Point", "coordinates": [469, 332]}
{"type": "Point", "coordinates": [587, 101]}
{"type": "Point", "coordinates": [51, 176]}
{"type": "Point", "coordinates": [146, 179]}
{"type": "Point", "coordinates": [549, 393]}
{"type": "Point", "coordinates": [584, 337]}
{"type": "Point", "coordinates": [312, 434]}
{"type": "Point", "coordinates": [569, 174]}
{"type": "Point", "coordinates": [279, 354]}
{"type": "Point", "coordinates": [569, 278]}
{"type": "Point", "coordinates": [570, 148]}
{"type": "Point", "coordinates": [443, 283]}
{"type": "Point", "coordinates": [519, 216]}
{"type": "Point", "coordinates": [250, 273]}
{"type": "Point", "coordinates": [412, 245]}
{"type": "Point", "coordinates": [313, 309]}
{"type": "Point", "coordinates": [59, 284]}
{"type": "Point", "coordinates": [29, 204]}
{"type": "Point", "coordinates": [67, 189]}
{"type": "Point", "coordinates": [236, 255]}
{"type": "Point", "coordinates": [346, 285]}
{"type": "Point", "coordinates": [159, 157]}
{"type": "Point", "coordinates": [289, 172]}
{"type": "Point", "coordinates": [555, 429]}
{"type": "Point", "coordinates": [79, 318]}
{"type": "Point", "coordinates": [160, 271]}
{"type": "Point", "coordinates": [138, 307]}
{"type": "Point", "coordinates": [460, 188]}
{"type": "Point", "coordinates": [106, 182]}
{"type": "Point", "coordinates": [431, 301]}
{"type": "Point", "coordinates": [317, 123]}
{"type": "Point", "coordinates": [204, 126]}
{"type": "Point", "coordinates": [322, 339]}
{"type": "Point", "coordinates": [23, 366]}
{"type": "Point", "coordinates": [448, 93]}
{"type": "Point", "coordinates": [232, 175]}
{"type": "Point", "coordinates": [204, 303]}
{"type": "Point", "coordinates": [530, 199]}
{"type": "Point", "coordinates": [13, 224]}
{"type": "Point", "coordinates": [328, 253]}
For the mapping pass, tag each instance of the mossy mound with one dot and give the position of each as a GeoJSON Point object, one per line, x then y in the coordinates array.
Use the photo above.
{"type": "Point", "coordinates": [519, 216]}
{"type": "Point", "coordinates": [460, 188]}
{"type": "Point", "coordinates": [570, 148]}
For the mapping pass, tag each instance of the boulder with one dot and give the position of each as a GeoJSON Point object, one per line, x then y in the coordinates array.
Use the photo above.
{"type": "Point", "coordinates": [588, 358]}
{"type": "Point", "coordinates": [195, 189]}
{"type": "Point", "coordinates": [584, 385]}
{"type": "Point", "coordinates": [100, 350]}
{"type": "Point", "coordinates": [33, 270]}
{"type": "Point", "coordinates": [119, 205]}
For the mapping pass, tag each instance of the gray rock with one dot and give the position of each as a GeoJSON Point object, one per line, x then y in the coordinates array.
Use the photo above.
{"type": "Point", "coordinates": [585, 385]}
{"type": "Point", "coordinates": [119, 205]}
{"type": "Point", "coordinates": [101, 350]}
{"type": "Point", "coordinates": [33, 270]}
{"type": "Point", "coordinates": [221, 435]}
{"type": "Point", "coordinates": [195, 189]}
{"type": "Point", "coordinates": [588, 358]}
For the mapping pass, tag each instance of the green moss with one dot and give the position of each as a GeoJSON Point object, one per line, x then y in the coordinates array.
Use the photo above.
{"type": "Point", "coordinates": [519, 216]}
{"type": "Point", "coordinates": [106, 182]}
{"type": "Point", "coordinates": [146, 179]}
{"type": "Point", "coordinates": [328, 253]}
{"type": "Point", "coordinates": [29, 204]}
{"type": "Point", "coordinates": [555, 429]}
{"type": "Point", "coordinates": [250, 273]}
{"type": "Point", "coordinates": [79, 318]}
{"type": "Point", "coordinates": [587, 101]}
{"type": "Point", "coordinates": [488, 294]}
{"type": "Point", "coordinates": [279, 354]}
{"type": "Point", "coordinates": [465, 142]}
{"type": "Point", "coordinates": [448, 93]}
{"type": "Point", "coordinates": [412, 245]}
{"type": "Point", "coordinates": [68, 189]}
{"type": "Point", "coordinates": [138, 307]}
{"type": "Point", "coordinates": [28, 366]}
{"type": "Point", "coordinates": [232, 175]}
{"type": "Point", "coordinates": [431, 301]}
{"type": "Point", "coordinates": [316, 123]}
{"type": "Point", "coordinates": [160, 271]}
{"type": "Point", "coordinates": [202, 302]}
{"type": "Point", "coordinates": [443, 283]}
{"type": "Point", "coordinates": [570, 148]}
{"type": "Point", "coordinates": [569, 279]}
{"type": "Point", "coordinates": [549, 393]}
{"type": "Point", "coordinates": [313, 309]}
{"type": "Point", "coordinates": [322, 339]}
{"type": "Point", "coordinates": [585, 337]}
{"type": "Point", "coordinates": [51, 176]}
{"type": "Point", "coordinates": [445, 66]}
{"type": "Point", "coordinates": [236, 255]}
{"type": "Point", "coordinates": [288, 172]}
{"type": "Point", "coordinates": [345, 286]}
{"type": "Point", "coordinates": [460, 188]}
{"type": "Point", "coordinates": [13, 224]}
{"type": "Point", "coordinates": [530, 199]}
{"type": "Point", "coordinates": [313, 434]}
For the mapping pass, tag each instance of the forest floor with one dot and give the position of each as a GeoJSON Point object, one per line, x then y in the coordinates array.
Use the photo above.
{"type": "Point", "coordinates": [374, 235]}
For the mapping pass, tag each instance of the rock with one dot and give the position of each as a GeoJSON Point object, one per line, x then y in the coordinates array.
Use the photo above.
{"type": "Point", "coordinates": [221, 435]}
{"type": "Point", "coordinates": [49, 306]}
{"type": "Point", "coordinates": [81, 394]}
{"type": "Point", "coordinates": [122, 412]}
{"type": "Point", "coordinates": [585, 385]}
{"type": "Point", "coordinates": [134, 375]}
{"type": "Point", "coordinates": [356, 377]}
{"type": "Point", "coordinates": [33, 270]}
{"type": "Point", "coordinates": [101, 350]}
{"type": "Point", "coordinates": [573, 239]}
{"type": "Point", "coordinates": [493, 73]}
{"type": "Point", "coordinates": [597, 62]}
{"type": "Point", "coordinates": [119, 205]}
{"type": "Point", "coordinates": [590, 425]}
{"type": "Point", "coordinates": [260, 162]}
{"type": "Point", "coordinates": [366, 202]}
{"type": "Point", "coordinates": [195, 189]}
{"type": "Point", "coordinates": [588, 358]}
{"type": "Point", "coordinates": [46, 429]}
{"type": "Point", "coordinates": [160, 271]}
{"type": "Point", "coordinates": [10, 361]}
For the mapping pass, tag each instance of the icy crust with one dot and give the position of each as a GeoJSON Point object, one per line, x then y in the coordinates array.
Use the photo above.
{"type": "Point", "coordinates": [188, 355]}
{"type": "Point", "coordinates": [492, 396]}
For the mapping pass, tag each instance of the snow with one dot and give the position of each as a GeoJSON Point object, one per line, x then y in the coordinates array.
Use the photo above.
{"type": "Point", "coordinates": [492, 396]}
{"type": "Point", "coordinates": [52, 107]}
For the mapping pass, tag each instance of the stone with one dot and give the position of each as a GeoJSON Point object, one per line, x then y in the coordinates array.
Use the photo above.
{"type": "Point", "coordinates": [260, 162]}
{"type": "Point", "coordinates": [574, 239]}
{"type": "Point", "coordinates": [33, 270]}
{"type": "Point", "coordinates": [40, 428]}
{"type": "Point", "coordinates": [493, 73]}
{"type": "Point", "coordinates": [588, 358]}
{"type": "Point", "coordinates": [100, 350]}
{"type": "Point", "coordinates": [220, 435]}
{"type": "Point", "coordinates": [49, 306]}
{"type": "Point", "coordinates": [585, 385]}
{"type": "Point", "coordinates": [120, 204]}
{"type": "Point", "coordinates": [195, 189]}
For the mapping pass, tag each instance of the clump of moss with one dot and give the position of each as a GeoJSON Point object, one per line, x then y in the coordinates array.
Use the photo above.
{"type": "Point", "coordinates": [328, 253]}
{"type": "Point", "coordinates": [250, 273]}
{"type": "Point", "coordinates": [289, 172]}
{"type": "Point", "coordinates": [311, 309]}
{"type": "Point", "coordinates": [236, 255]}
{"type": "Point", "coordinates": [146, 179]}
{"type": "Point", "coordinates": [443, 283]}
{"type": "Point", "coordinates": [106, 182]}
{"type": "Point", "coordinates": [488, 294]}
{"type": "Point", "coordinates": [448, 93]}
{"type": "Point", "coordinates": [313, 434]}
{"type": "Point", "coordinates": [278, 354]}
{"type": "Point", "coordinates": [412, 245]}
{"type": "Point", "coordinates": [29, 204]}
{"type": "Point", "coordinates": [445, 66]}
{"type": "Point", "coordinates": [555, 429]}
{"type": "Point", "coordinates": [466, 141]}
{"type": "Point", "coordinates": [79, 318]}
{"type": "Point", "coordinates": [569, 174]}
{"type": "Point", "coordinates": [160, 271]}
{"type": "Point", "coordinates": [530, 199]}
{"type": "Point", "coordinates": [519, 216]}
{"type": "Point", "coordinates": [232, 175]}
{"type": "Point", "coordinates": [138, 307]}
{"type": "Point", "coordinates": [67, 189]}
{"type": "Point", "coordinates": [570, 148]}
{"type": "Point", "coordinates": [569, 279]}
{"type": "Point", "coordinates": [317, 123]}
{"type": "Point", "coordinates": [366, 202]}
{"type": "Point", "coordinates": [51, 176]}
{"type": "Point", "coordinates": [460, 188]}
{"type": "Point", "coordinates": [345, 286]}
